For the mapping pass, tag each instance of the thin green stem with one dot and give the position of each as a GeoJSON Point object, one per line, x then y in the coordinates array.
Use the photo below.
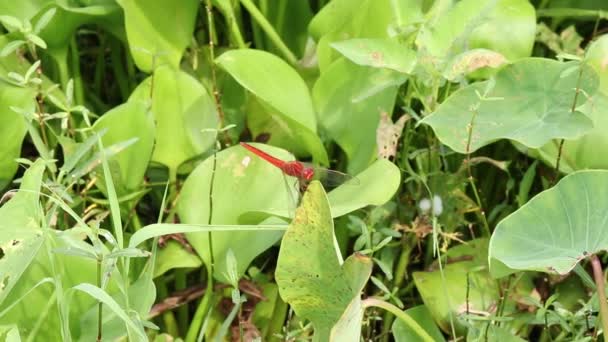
{"type": "Point", "coordinates": [572, 109]}
{"type": "Point", "coordinates": [204, 306]}
{"type": "Point", "coordinates": [598, 276]}
{"type": "Point", "coordinates": [409, 321]}
{"type": "Point", "coordinates": [76, 75]}
{"type": "Point", "coordinates": [270, 31]}
{"type": "Point", "coordinates": [470, 126]}
{"type": "Point", "coordinates": [100, 304]}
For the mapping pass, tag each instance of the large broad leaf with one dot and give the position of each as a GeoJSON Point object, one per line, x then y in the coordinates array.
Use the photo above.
{"type": "Point", "coordinates": [582, 153]}
{"type": "Point", "coordinates": [12, 128]}
{"type": "Point", "coordinates": [377, 185]}
{"type": "Point", "coordinates": [530, 103]}
{"type": "Point", "coordinates": [278, 85]}
{"type": "Point", "coordinates": [127, 121]}
{"type": "Point", "coordinates": [159, 31]}
{"type": "Point", "coordinates": [182, 109]}
{"type": "Point", "coordinates": [378, 53]}
{"type": "Point", "coordinates": [349, 100]}
{"type": "Point", "coordinates": [310, 274]}
{"type": "Point", "coordinates": [242, 183]}
{"type": "Point", "coordinates": [349, 19]}
{"type": "Point", "coordinates": [557, 228]}
{"type": "Point", "coordinates": [505, 26]}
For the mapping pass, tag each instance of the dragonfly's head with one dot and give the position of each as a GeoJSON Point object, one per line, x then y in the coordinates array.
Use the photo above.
{"type": "Point", "coordinates": [308, 173]}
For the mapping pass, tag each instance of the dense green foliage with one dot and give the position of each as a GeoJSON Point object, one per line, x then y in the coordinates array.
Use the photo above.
{"type": "Point", "coordinates": [131, 212]}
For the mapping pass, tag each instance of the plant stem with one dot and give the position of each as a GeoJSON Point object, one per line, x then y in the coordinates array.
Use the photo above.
{"type": "Point", "coordinates": [76, 75]}
{"type": "Point", "coordinates": [572, 109]}
{"type": "Point", "coordinates": [204, 306]}
{"type": "Point", "coordinates": [100, 304]}
{"type": "Point", "coordinates": [270, 31]}
{"type": "Point", "coordinates": [598, 276]}
{"type": "Point", "coordinates": [216, 93]}
{"type": "Point", "coordinates": [486, 226]}
{"type": "Point", "coordinates": [409, 321]}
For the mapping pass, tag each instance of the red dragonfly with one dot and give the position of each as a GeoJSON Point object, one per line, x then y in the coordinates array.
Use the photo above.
{"type": "Point", "coordinates": [304, 173]}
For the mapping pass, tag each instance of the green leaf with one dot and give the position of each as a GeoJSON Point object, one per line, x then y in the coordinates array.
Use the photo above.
{"type": "Point", "coordinates": [505, 26]}
{"type": "Point", "coordinates": [278, 85]}
{"type": "Point", "coordinates": [36, 40]}
{"type": "Point", "coordinates": [173, 255]}
{"type": "Point", "coordinates": [349, 100]}
{"type": "Point", "coordinates": [11, 23]}
{"type": "Point", "coordinates": [530, 103]}
{"type": "Point", "coordinates": [343, 19]}
{"type": "Point", "coordinates": [158, 32]}
{"type": "Point", "coordinates": [74, 154]}
{"type": "Point", "coordinates": [470, 61]}
{"type": "Point", "coordinates": [124, 122]}
{"type": "Point", "coordinates": [249, 184]}
{"type": "Point", "coordinates": [582, 153]}
{"type": "Point", "coordinates": [20, 233]}
{"type": "Point", "coordinates": [447, 295]}
{"type": "Point", "coordinates": [11, 47]}
{"type": "Point", "coordinates": [12, 128]}
{"type": "Point", "coordinates": [422, 316]}
{"type": "Point", "coordinates": [309, 273]}
{"type": "Point", "coordinates": [107, 300]}
{"type": "Point", "coordinates": [182, 108]}
{"type": "Point", "coordinates": [378, 53]}
{"type": "Point", "coordinates": [569, 220]}
{"type": "Point", "coordinates": [44, 20]}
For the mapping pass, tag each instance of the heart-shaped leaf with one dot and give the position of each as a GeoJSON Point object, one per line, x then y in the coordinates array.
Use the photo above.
{"type": "Point", "coordinates": [557, 228]}
{"type": "Point", "coordinates": [530, 103]}
{"type": "Point", "coordinates": [582, 153]}
{"type": "Point", "coordinates": [244, 180]}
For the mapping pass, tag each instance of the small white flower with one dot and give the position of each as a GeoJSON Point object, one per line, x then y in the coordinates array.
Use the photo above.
{"type": "Point", "coordinates": [424, 205]}
{"type": "Point", "coordinates": [437, 205]}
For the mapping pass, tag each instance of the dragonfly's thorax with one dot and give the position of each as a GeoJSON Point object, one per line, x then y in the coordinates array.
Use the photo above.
{"type": "Point", "coordinates": [298, 170]}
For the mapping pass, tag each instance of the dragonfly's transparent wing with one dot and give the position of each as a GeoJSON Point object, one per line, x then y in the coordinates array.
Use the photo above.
{"type": "Point", "coordinates": [333, 178]}
{"type": "Point", "coordinates": [293, 194]}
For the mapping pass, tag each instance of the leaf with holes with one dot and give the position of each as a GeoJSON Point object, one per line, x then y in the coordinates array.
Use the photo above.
{"type": "Point", "coordinates": [388, 133]}
{"type": "Point", "coordinates": [20, 233]}
{"type": "Point", "coordinates": [557, 228]}
{"type": "Point", "coordinates": [530, 103]}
